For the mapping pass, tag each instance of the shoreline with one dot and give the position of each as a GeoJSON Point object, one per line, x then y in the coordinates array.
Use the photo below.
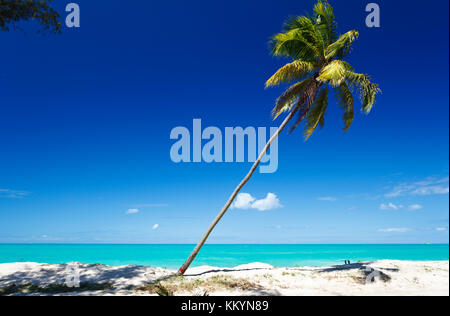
{"type": "Point", "coordinates": [392, 277]}
{"type": "Point", "coordinates": [228, 255]}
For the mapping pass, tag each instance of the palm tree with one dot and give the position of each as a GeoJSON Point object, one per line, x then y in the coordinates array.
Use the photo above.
{"type": "Point", "coordinates": [317, 65]}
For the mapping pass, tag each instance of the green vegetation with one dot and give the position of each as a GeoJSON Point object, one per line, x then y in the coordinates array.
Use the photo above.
{"type": "Point", "coordinates": [181, 284]}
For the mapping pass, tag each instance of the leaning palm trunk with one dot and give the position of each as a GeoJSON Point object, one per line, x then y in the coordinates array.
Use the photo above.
{"type": "Point", "coordinates": [196, 250]}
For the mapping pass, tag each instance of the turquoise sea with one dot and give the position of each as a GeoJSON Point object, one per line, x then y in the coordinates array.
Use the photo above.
{"type": "Point", "coordinates": [172, 256]}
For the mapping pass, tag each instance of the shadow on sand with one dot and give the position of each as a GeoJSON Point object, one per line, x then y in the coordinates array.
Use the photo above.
{"type": "Point", "coordinates": [120, 276]}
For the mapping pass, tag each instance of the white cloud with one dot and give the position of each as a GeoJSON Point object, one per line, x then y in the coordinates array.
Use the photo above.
{"type": "Point", "coordinates": [327, 198]}
{"type": "Point", "coordinates": [441, 229]}
{"type": "Point", "coordinates": [245, 201]}
{"type": "Point", "coordinates": [393, 207]}
{"type": "Point", "coordinates": [12, 194]}
{"type": "Point", "coordinates": [431, 190]}
{"type": "Point", "coordinates": [132, 211]}
{"type": "Point", "coordinates": [390, 207]}
{"type": "Point", "coordinates": [150, 205]}
{"type": "Point", "coordinates": [394, 230]}
{"type": "Point", "coordinates": [269, 203]}
{"type": "Point", "coordinates": [429, 186]}
{"type": "Point", "coordinates": [156, 226]}
{"type": "Point", "coordinates": [415, 207]}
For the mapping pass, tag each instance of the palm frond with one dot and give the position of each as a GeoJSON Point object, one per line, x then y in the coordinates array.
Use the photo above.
{"type": "Point", "coordinates": [325, 23]}
{"type": "Point", "coordinates": [342, 46]}
{"type": "Point", "coordinates": [294, 44]}
{"type": "Point", "coordinates": [335, 72]}
{"type": "Point", "coordinates": [316, 114]}
{"type": "Point", "coordinates": [344, 98]}
{"type": "Point", "coordinates": [308, 28]}
{"type": "Point", "coordinates": [290, 72]}
{"type": "Point", "coordinates": [305, 102]}
{"type": "Point", "coordinates": [290, 97]}
{"type": "Point", "coordinates": [298, 23]}
{"type": "Point", "coordinates": [367, 89]}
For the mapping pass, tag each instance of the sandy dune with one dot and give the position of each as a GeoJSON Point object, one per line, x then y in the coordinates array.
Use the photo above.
{"type": "Point", "coordinates": [390, 278]}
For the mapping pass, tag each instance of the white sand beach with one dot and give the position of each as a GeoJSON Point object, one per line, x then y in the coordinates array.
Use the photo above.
{"type": "Point", "coordinates": [395, 278]}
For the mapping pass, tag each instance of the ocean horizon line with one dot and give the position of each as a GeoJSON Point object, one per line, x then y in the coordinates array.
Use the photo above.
{"type": "Point", "coordinates": [228, 255]}
{"type": "Point", "coordinates": [219, 244]}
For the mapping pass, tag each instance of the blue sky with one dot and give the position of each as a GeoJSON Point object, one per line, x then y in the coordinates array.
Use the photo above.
{"type": "Point", "coordinates": [86, 116]}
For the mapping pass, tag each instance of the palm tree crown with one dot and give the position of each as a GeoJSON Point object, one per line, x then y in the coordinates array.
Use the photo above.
{"type": "Point", "coordinates": [318, 53]}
